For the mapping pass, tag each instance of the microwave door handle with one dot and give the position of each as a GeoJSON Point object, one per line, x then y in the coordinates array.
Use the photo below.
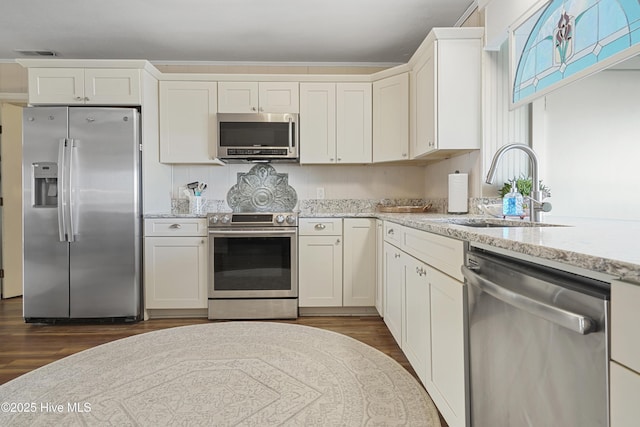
{"type": "Point", "coordinates": [290, 135]}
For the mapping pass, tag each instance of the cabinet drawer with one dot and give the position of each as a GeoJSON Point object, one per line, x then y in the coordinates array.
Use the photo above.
{"type": "Point", "coordinates": [175, 227]}
{"type": "Point", "coordinates": [320, 227]}
{"type": "Point", "coordinates": [442, 253]}
{"type": "Point", "coordinates": [393, 233]}
{"type": "Point", "coordinates": [625, 346]}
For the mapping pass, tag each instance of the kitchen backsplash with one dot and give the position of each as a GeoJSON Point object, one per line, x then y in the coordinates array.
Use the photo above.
{"type": "Point", "coordinates": [332, 206]}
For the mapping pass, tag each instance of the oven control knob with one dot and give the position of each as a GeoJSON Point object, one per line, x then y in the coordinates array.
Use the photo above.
{"type": "Point", "coordinates": [291, 219]}
{"type": "Point", "coordinates": [213, 220]}
{"type": "Point", "coordinates": [279, 219]}
{"type": "Point", "coordinates": [226, 219]}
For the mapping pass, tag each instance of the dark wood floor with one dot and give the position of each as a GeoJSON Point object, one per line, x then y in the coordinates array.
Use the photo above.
{"type": "Point", "coordinates": [24, 347]}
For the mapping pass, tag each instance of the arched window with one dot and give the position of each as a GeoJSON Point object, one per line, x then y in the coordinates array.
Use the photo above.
{"type": "Point", "coordinates": [569, 36]}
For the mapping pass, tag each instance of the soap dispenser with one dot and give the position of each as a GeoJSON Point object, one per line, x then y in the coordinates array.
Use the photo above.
{"type": "Point", "coordinates": [512, 202]}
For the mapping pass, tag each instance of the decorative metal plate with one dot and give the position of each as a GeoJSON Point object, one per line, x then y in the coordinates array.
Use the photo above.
{"type": "Point", "coordinates": [262, 189]}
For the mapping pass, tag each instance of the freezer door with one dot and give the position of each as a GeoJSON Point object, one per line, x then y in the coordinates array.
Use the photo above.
{"type": "Point", "coordinates": [105, 213]}
{"type": "Point", "coordinates": [46, 257]}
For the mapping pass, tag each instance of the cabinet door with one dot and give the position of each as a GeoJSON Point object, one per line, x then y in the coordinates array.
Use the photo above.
{"type": "Point", "coordinates": [359, 262]}
{"type": "Point", "coordinates": [187, 122]}
{"type": "Point", "coordinates": [391, 118]}
{"type": "Point", "coordinates": [354, 134]}
{"type": "Point", "coordinates": [318, 123]}
{"type": "Point", "coordinates": [448, 346]}
{"type": "Point", "coordinates": [416, 317]}
{"type": "Point", "coordinates": [278, 97]}
{"type": "Point", "coordinates": [238, 97]}
{"type": "Point", "coordinates": [393, 279]}
{"type": "Point", "coordinates": [625, 396]}
{"type": "Point", "coordinates": [175, 272]}
{"type": "Point", "coordinates": [423, 123]}
{"type": "Point", "coordinates": [106, 86]}
{"type": "Point", "coordinates": [320, 271]}
{"type": "Point", "coordinates": [379, 267]}
{"type": "Point", "coordinates": [56, 86]}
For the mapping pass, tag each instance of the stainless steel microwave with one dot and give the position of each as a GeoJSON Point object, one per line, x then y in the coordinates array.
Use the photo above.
{"type": "Point", "coordinates": [258, 137]}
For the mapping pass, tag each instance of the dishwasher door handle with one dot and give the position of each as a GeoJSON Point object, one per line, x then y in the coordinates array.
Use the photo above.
{"type": "Point", "coordinates": [573, 321]}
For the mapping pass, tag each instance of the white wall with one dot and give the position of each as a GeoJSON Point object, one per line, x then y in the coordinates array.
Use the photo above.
{"type": "Point", "coordinates": [339, 182]}
{"type": "Point", "coordinates": [592, 150]}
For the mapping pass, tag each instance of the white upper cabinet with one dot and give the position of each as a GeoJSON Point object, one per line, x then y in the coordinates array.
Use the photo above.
{"type": "Point", "coordinates": [254, 97]}
{"type": "Point", "coordinates": [446, 94]}
{"type": "Point", "coordinates": [188, 122]}
{"type": "Point", "coordinates": [391, 118]}
{"type": "Point", "coordinates": [335, 123]}
{"type": "Point", "coordinates": [84, 86]}
{"type": "Point", "coordinates": [353, 122]}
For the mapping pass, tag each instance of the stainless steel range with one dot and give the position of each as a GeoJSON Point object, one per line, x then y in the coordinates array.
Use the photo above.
{"type": "Point", "coordinates": [253, 265]}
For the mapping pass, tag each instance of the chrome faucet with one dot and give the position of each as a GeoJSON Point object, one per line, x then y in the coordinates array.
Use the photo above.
{"type": "Point", "coordinates": [537, 205]}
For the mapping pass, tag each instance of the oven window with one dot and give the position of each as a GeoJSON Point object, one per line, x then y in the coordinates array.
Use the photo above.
{"type": "Point", "coordinates": [252, 263]}
{"type": "Point", "coordinates": [259, 134]}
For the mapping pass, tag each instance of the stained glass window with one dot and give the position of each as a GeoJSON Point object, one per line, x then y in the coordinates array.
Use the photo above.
{"type": "Point", "coordinates": [569, 36]}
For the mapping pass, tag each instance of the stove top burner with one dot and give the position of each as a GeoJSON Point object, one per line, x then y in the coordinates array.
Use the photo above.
{"type": "Point", "coordinates": [252, 219]}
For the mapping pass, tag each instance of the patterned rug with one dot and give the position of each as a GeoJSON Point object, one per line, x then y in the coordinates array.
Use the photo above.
{"type": "Point", "coordinates": [221, 374]}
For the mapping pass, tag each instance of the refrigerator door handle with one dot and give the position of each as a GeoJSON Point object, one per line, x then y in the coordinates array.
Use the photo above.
{"type": "Point", "coordinates": [62, 200]}
{"type": "Point", "coordinates": [71, 193]}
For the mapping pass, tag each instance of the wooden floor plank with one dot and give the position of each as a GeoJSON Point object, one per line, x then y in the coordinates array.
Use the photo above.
{"type": "Point", "coordinates": [25, 347]}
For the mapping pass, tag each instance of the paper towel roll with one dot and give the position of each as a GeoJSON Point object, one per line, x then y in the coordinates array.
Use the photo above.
{"type": "Point", "coordinates": [458, 192]}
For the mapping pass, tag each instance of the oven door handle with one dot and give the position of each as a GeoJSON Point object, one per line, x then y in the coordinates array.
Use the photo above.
{"type": "Point", "coordinates": [573, 321]}
{"type": "Point", "coordinates": [247, 232]}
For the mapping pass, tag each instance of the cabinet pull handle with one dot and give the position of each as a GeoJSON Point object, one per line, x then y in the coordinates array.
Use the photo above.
{"type": "Point", "coordinates": [175, 226]}
{"type": "Point", "coordinates": [391, 231]}
{"type": "Point", "coordinates": [78, 98]}
{"type": "Point", "coordinates": [396, 255]}
{"type": "Point", "coordinates": [320, 226]}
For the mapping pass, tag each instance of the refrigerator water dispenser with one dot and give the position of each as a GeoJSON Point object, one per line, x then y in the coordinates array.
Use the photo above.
{"type": "Point", "coordinates": [45, 184]}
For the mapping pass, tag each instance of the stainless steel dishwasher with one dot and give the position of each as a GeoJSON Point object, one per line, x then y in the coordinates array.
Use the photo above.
{"type": "Point", "coordinates": [538, 350]}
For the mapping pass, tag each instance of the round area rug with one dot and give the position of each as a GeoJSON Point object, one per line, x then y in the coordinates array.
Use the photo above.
{"type": "Point", "coordinates": [221, 374]}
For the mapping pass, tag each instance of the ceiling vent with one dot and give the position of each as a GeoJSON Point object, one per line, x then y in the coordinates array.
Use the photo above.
{"type": "Point", "coordinates": [27, 52]}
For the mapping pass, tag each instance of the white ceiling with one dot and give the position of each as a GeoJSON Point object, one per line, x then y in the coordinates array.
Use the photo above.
{"type": "Point", "coordinates": [225, 31]}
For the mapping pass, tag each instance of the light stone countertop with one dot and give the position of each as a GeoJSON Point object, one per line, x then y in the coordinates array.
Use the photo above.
{"type": "Point", "coordinates": [605, 246]}
{"type": "Point", "coordinates": [611, 247]}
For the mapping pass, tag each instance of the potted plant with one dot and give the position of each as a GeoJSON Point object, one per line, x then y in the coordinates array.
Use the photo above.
{"type": "Point", "coordinates": [523, 185]}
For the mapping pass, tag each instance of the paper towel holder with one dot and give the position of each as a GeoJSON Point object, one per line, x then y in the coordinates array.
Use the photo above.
{"type": "Point", "coordinates": [458, 193]}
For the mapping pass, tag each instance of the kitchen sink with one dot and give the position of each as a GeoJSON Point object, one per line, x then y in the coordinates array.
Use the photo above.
{"type": "Point", "coordinates": [495, 223]}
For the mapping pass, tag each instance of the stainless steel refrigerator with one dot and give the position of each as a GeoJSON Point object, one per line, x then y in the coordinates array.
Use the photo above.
{"type": "Point", "coordinates": [82, 216]}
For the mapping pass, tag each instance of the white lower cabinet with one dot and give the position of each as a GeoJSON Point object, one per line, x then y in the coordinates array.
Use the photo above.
{"type": "Point", "coordinates": [416, 325]}
{"type": "Point", "coordinates": [393, 282]}
{"type": "Point", "coordinates": [175, 264]}
{"type": "Point", "coordinates": [336, 262]}
{"type": "Point", "coordinates": [380, 267]}
{"type": "Point", "coordinates": [425, 312]}
{"type": "Point", "coordinates": [625, 355]}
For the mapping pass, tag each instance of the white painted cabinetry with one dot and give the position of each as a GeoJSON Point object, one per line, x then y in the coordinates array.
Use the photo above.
{"type": "Point", "coordinates": [175, 263]}
{"type": "Point", "coordinates": [446, 93]}
{"type": "Point", "coordinates": [380, 267]}
{"type": "Point", "coordinates": [337, 262]}
{"type": "Point", "coordinates": [625, 355]}
{"type": "Point", "coordinates": [258, 97]}
{"type": "Point", "coordinates": [416, 319]}
{"type": "Point", "coordinates": [320, 262]}
{"type": "Point", "coordinates": [359, 256]}
{"type": "Point", "coordinates": [393, 283]}
{"type": "Point", "coordinates": [335, 123]}
{"type": "Point", "coordinates": [391, 118]}
{"type": "Point", "coordinates": [85, 86]}
{"type": "Point", "coordinates": [188, 121]}
{"type": "Point", "coordinates": [425, 312]}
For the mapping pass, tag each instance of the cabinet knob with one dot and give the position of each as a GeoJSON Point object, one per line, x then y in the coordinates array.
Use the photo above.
{"type": "Point", "coordinates": [320, 226]}
{"type": "Point", "coordinates": [86, 98]}
{"type": "Point", "coordinates": [404, 154]}
{"type": "Point", "coordinates": [175, 226]}
{"type": "Point", "coordinates": [253, 108]}
{"type": "Point", "coordinates": [339, 159]}
{"type": "Point", "coordinates": [331, 159]}
{"type": "Point", "coordinates": [337, 242]}
{"type": "Point", "coordinates": [78, 98]}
